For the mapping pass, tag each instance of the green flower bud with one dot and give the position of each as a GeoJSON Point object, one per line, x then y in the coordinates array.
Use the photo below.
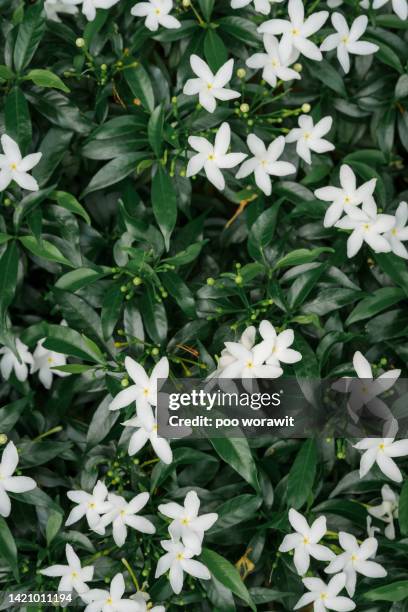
{"type": "Point", "coordinates": [210, 281]}
{"type": "Point", "coordinates": [306, 108]}
{"type": "Point", "coordinates": [124, 382]}
{"type": "Point", "coordinates": [80, 42]}
{"type": "Point", "coordinates": [244, 108]}
{"type": "Point", "coordinates": [241, 73]}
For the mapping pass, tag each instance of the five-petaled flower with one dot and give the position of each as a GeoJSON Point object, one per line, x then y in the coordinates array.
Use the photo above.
{"type": "Point", "coordinates": [91, 505]}
{"type": "Point", "coordinates": [278, 344]}
{"type": "Point", "coordinates": [209, 86]}
{"type": "Point", "coordinates": [399, 231]}
{"type": "Point", "coordinates": [367, 226]}
{"type": "Point", "coordinates": [123, 514]}
{"type": "Point", "coordinates": [99, 600]}
{"type": "Point", "coordinates": [157, 14]}
{"type": "Point", "coordinates": [14, 167]}
{"type": "Point", "coordinates": [325, 596]}
{"type": "Point", "coordinates": [178, 559]}
{"type": "Point", "coordinates": [305, 541]}
{"type": "Point", "coordinates": [10, 483]}
{"type": "Point", "coordinates": [309, 137]}
{"type": "Point", "coordinates": [146, 424]}
{"type": "Point", "coordinates": [356, 560]}
{"type": "Point", "coordinates": [73, 576]}
{"type": "Point", "coordinates": [273, 65]}
{"type": "Point", "coordinates": [387, 510]}
{"type": "Point", "coordinates": [382, 451]}
{"type": "Point", "coordinates": [44, 361]}
{"type": "Point", "coordinates": [10, 361]}
{"type": "Point", "coordinates": [144, 389]}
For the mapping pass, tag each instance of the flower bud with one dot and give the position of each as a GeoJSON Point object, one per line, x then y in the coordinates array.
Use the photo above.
{"type": "Point", "coordinates": [239, 279]}
{"type": "Point", "coordinates": [306, 108]}
{"type": "Point", "coordinates": [155, 351]}
{"type": "Point", "coordinates": [244, 108]}
{"type": "Point", "coordinates": [137, 281]}
{"type": "Point", "coordinates": [3, 438]}
{"type": "Point", "coordinates": [241, 73]}
{"type": "Point", "coordinates": [298, 67]}
{"type": "Point", "coordinates": [124, 382]}
{"type": "Point", "coordinates": [210, 281]}
{"type": "Point", "coordinates": [186, 3]}
{"type": "Point", "coordinates": [80, 42]}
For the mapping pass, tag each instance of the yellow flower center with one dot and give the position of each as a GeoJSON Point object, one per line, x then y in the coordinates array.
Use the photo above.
{"type": "Point", "coordinates": [347, 200]}
{"type": "Point", "coordinates": [275, 63]}
{"type": "Point", "coordinates": [13, 166]}
{"type": "Point", "coordinates": [306, 135]}
{"type": "Point", "coordinates": [354, 558]}
{"type": "Point", "coordinates": [295, 31]}
{"type": "Point", "coordinates": [394, 232]}
{"type": "Point", "coordinates": [211, 156]}
{"type": "Point", "coordinates": [179, 556]}
{"type": "Point", "coordinates": [323, 596]}
{"type": "Point", "coordinates": [74, 575]}
{"type": "Point", "coordinates": [154, 427]}
{"type": "Point", "coordinates": [109, 600]}
{"type": "Point", "coordinates": [122, 513]}
{"type": "Point", "coordinates": [306, 541]}
{"type": "Point", "coordinates": [145, 391]}
{"type": "Point", "coordinates": [250, 364]}
{"type": "Point", "coordinates": [381, 446]}
{"type": "Point", "coordinates": [91, 505]}
{"type": "Point", "coordinates": [209, 86]}
{"type": "Point", "coordinates": [344, 39]}
{"type": "Point", "coordinates": [50, 360]}
{"type": "Point", "coordinates": [185, 521]}
{"type": "Point", "coordinates": [366, 226]}
{"type": "Point", "coordinates": [157, 11]}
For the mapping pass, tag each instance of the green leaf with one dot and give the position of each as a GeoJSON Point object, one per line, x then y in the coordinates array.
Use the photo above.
{"type": "Point", "coordinates": [207, 7]}
{"type": "Point", "coordinates": [302, 474]}
{"type": "Point", "coordinates": [53, 525]}
{"type": "Point", "coordinates": [262, 231]}
{"type": "Point", "coordinates": [328, 75]}
{"type": "Point", "coordinates": [111, 309]}
{"type": "Point", "coordinates": [403, 509]}
{"type": "Point", "coordinates": [76, 279]}
{"type": "Point", "coordinates": [180, 292]}
{"type": "Point", "coordinates": [235, 510]}
{"type": "Point", "coordinates": [29, 36]}
{"type": "Point", "coordinates": [155, 129]}
{"type": "Point", "coordinates": [164, 203]}
{"type": "Point", "coordinates": [215, 51]}
{"type": "Point", "coordinates": [302, 256]}
{"type": "Point", "coordinates": [53, 148]}
{"type": "Point", "coordinates": [44, 249]}
{"type": "Point", "coordinates": [385, 54]}
{"type": "Point", "coordinates": [395, 591]}
{"type": "Point", "coordinates": [102, 422]}
{"type": "Point", "coordinates": [187, 256]}
{"type": "Point", "coordinates": [69, 202]}
{"type": "Point", "coordinates": [140, 86]}
{"type": "Point", "coordinates": [8, 548]}
{"type": "Point", "coordinates": [5, 73]}
{"type": "Point", "coordinates": [401, 88]}
{"type": "Point", "coordinates": [113, 172]}
{"type": "Point", "coordinates": [69, 342]}
{"type": "Point", "coordinates": [10, 414]}
{"type": "Point", "coordinates": [395, 267]}
{"type": "Point", "coordinates": [154, 317]}
{"type": "Point", "coordinates": [379, 300]}
{"type": "Point", "coordinates": [227, 574]}
{"type": "Point", "coordinates": [46, 78]}
{"type": "Point", "coordinates": [8, 280]}
{"type": "Point", "coordinates": [17, 117]}
{"type": "Point", "coordinates": [237, 454]}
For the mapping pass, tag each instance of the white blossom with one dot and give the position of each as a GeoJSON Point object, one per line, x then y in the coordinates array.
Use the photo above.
{"type": "Point", "coordinates": [367, 226]}
{"type": "Point", "coordinates": [10, 361]}
{"type": "Point", "coordinates": [273, 65]}
{"type": "Point", "coordinates": [14, 167]}
{"type": "Point", "coordinates": [73, 576]}
{"type": "Point", "coordinates": [99, 600]}
{"type": "Point", "coordinates": [91, 505]}
{"type": "Point", "coordinates": [400, 7]}
{"type": "Point", "coordinates": [144, 388]}
{"type": "Point", "coordinates": [44, 361]}
{"type": "Point", "coordinates": [346, 40]}
{"type": "Point", "coordinates": [265, 162]}
{"type": "Point", "coordinates": [399, 232]}
{"type": "Point", "coordinates": [345, 197]}
{"type": "Point", "coordinates": [123, 514]}
{"type": "Point", "coordinates": [10, 483]}
{"type": "Point", "coordinates": [278, 345]}
{"type": "Point", "coordinates": [309, 137]}
{"type": "Point", "coordinates": [249, 363]}
{"type": "Point", "coordinates": [355, 560]}
{"type": "Point", "coordinates": [146, 425]}
{"type": "Point", "coordinates": [387, 510]}
{"type": "Point", "coordinates": [213, 158]}
{"type": "Point", "coordinates": [178, 559]}
{"type": "Point", "coordinates": [382, 451]}
{"type": "Point", "coordinates": [89, 7]}
{"type": "Point", "coordinates": [209, 86]}
{"type": "Point", "coordinates": [186, 523]}
{"type": "Point", "coordinates": [261, 6]}
{"type": "Point", "coordinates": [143, 601]}
{"type": "Point", "coordinates": [157, 14]}
{"type": "Point", "coordinates": [325, 596]}
{"type": "Point", "coordinates": [305, 541]}
{"type": "Point", "coordinates": [296, 31]}
{"type": "Point", "coordinates": [53, 7]}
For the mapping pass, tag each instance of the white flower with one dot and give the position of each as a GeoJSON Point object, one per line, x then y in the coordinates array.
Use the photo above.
{"type": "Point", "coordinates": [142, 599]}
{"type": "Point", "coordinates": [247, 340]}
{"type": "Point", "coordinates": [249, 363]}
{"type": "Point", "coordinates": [10, 483]}
{"type": "Point", "coordinates": [400, 7]}
{"type": "Point", "coordinates": [325, 596]}
{"type": "Point", "coordinates": [186, 523]}
{"type": "Point", "coordinates": [399, 232]}
{"type": "Point", "coordinates": [146, 425]}
{"type": "Point", "coordinates": [387, 510]}
{"type": "Point", "coordinates": [213, 157]}
{"type": "Point", "coordinates": [345, 196]}
{"type": "Point", "coordinates": [10, 362]}
{"type": "Point", "coordinates": [73, 576]}
{"type": "Point", "coordinates": [261, 6]}
{"type": "Point", "coordinates": [144, 388]}
{"type": "Point", "coordinates": [365, 389]}
{"type": "Point", "coordinates": [208, 86]}
{"type": "Point", "coordinates": [178, 559]}
{"type": "Point", "coordinates": [89, 505]}
{"type": "Point", "coordinates": [273, 65]}
{"type": "Point", "coordinates": [381, 451]}
{"type": "Point", "coordinates": [354, 560]}
{"type": "Point", "coordinates": [89, 7]}
{"type": "Point", "coordinates": [45, 361]}
{"type": "Point", "coordinates": [278, 344]}
{"type": "Point", "coordinates": [346, 40]}
{"type": "Point", "coordinates": [264, 163]}
{"type": "Point", "coordinates": [53, 7]}
{"type": "Point", "coordinates": [156, 13]}
{"type": "Point", "coordinates": [308, 137]}
{"type": "Point", "coordinates": [122, 515]}
{"type": "Point", "coordinates": [14, 167]}
{"type": "Point", "coordinates": [305, 541]}
{"type": "Point", "coordinates": [296, 31]}
{"type": "Point", "coordinates": [367, 226]}
{"type": "Point", "coordinates": [99, 600]}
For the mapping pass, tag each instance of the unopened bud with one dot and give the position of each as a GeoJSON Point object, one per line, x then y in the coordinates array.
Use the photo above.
{"type": "Point", "coordinates": [80, 42]}
{"type": "Point", "coordinates": [306, 108]}
{"type": "Point", "coordinates": [244, 108]}
{"type": "Point", "coordinates": [210, 281]}
{"type": "Point", "coordinates": [298, 67]}
{"type": "Point", "coordinates": [124, 382]}
{"type": "Point", "coordinates": [241, 73]}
